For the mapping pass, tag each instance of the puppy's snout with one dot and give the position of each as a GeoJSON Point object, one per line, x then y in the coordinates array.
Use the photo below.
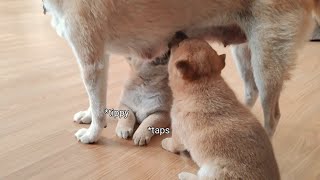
{"type": "Point", "coordinates": [177, 38]}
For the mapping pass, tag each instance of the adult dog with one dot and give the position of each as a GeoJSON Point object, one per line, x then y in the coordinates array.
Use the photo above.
{"type": "Point", "coordinates": [142, 28]}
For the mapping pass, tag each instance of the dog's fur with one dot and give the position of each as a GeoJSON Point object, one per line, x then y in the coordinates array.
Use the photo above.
{"type": "Point", "coordinates": [142, 29]}
{"type": "Point", "coordinates": [148, 98]}
{"type": "Point", "coordinates": [317, 11]}
{"type": "Point", "coordinates": [222, 136]}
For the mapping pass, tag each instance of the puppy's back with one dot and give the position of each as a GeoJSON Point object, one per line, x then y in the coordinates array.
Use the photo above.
{"type": "Point", "coordinates": [229, 133]}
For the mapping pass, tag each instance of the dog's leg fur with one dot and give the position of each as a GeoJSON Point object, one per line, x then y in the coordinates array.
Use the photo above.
{"type": "Point", "coordinates": [242, 57]}
{"type": "Point", "coordinates": [93, 64]}
{"type": "Point", "coordinates": [142, 136]}
{"type": "Point", "coordinates": [274, 51]}
{"type": "Point", "coordinates": [94, 77]}
{"type": "Point", "coordinates": [125, 127]}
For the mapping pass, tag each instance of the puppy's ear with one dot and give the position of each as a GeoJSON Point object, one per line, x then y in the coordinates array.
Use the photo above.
{"type": "Point", "coordinates": [186, 70]}
{"type": "Point", "coordinates": [223, 57]}
{"type": "Point", "coordinates": [177, 38]}
{"type": "Point", "coordinates": [221, 63]}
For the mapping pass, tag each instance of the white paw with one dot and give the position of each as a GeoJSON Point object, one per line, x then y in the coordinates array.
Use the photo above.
{"type": "Point", "coordinates": [164, 143]}
{"type": "Point", "coordinates": [186, 176]}
{"type": "Point", "coordinates": [86, 136]}
{"type": "Point", "coordinates": [142, 137]}
{"type": "Point", "coordinates": [82, 117]}
{"type": "Point", "coordinates": [124, 132]}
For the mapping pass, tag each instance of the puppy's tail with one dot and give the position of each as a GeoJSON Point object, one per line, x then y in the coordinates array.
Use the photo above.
{"type": "Point", "coordinates": [215, 170]}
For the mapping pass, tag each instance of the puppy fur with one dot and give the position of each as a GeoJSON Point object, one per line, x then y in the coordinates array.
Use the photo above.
{"type": "Point", "coordinates": [275, 29]}
{"type": "Point", "coordinates": [148, 98]}
{"type": "Point", "coordinates": [222, 136]}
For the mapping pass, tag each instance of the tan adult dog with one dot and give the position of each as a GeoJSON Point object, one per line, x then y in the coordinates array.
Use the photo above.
{"type": "Point", "coordinates": [222, 136]}
{"type": "Point", "coordinates": [147, 97]}
{"type": "Point", "coordinates": [142, 29]}
{"type": "Point", "coordinates": [317, 11]}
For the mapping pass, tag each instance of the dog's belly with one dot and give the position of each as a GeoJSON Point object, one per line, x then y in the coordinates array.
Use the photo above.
{"type": "Point", "coordinates": [145, 31]}
{"type": "Point", "coordinates": [143, 28]}
{"type": "Point", "coordinates": [227, 35]}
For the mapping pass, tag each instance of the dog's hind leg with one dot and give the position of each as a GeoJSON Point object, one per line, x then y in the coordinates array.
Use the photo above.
{"type": "Point", "coordinates": [242, 57]}
{"type": "Point", "coordinates": [274, 41]}
{"type": "Point", "coordinates": [269, 77]}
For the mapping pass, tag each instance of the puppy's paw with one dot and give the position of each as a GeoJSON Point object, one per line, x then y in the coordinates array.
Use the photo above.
{"type": "Point", "coordinates": [165, 144]}
{"type": "Point", "coordinates": [187, 176]}
{"type": "Point", "coordinates": [86, 136]}
{"type": "Point", "coordinates": [82, 117]}
{"type": "Point", "coordinates": [124, 132]}
{"type": "Point", "coordinates": [142, 136]}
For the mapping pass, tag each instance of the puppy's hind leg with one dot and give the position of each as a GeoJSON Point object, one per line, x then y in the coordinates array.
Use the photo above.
{"type": "Point", "coordinates": [173, 144]}
{"type": "Point", "coordinates": [242, 57]}
{"type": "Point", "coordinates": [187, 176]}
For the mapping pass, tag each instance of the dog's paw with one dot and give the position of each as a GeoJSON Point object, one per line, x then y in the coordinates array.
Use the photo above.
{"type": "Point", "coordinates": [82, 117]}
{"type": "Point", "coordinates": [86, 136]}
{"type": "Point", "coordinates": [142, 137]}
{"type": "Point", "coordinates": [124, 132]}
{"type": "Point", "coordinates": [187, 176]}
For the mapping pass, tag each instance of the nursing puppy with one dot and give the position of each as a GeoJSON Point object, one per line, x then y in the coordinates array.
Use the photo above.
{"type": "Point", "coordinates": [223, 137]}
{"type": "Point", "coordinates": [142, 29]}
{"type": "Point", "coordinates": [147, 97]}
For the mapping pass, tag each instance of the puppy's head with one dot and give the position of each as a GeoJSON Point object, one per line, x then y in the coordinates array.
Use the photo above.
{"type": "Point", "coordinates": [194, 59]}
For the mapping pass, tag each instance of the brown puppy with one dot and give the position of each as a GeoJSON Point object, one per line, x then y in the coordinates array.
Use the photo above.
{"type": "Point", "coordinates": [222, 136]}
{"type": "Point", "coordinates": [275, 29]}
{"type": "Point", "coordinates": [147, 97]}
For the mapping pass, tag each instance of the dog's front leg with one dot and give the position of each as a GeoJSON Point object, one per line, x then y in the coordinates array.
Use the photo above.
{"type": "Point", "coordinates": [95, 79]}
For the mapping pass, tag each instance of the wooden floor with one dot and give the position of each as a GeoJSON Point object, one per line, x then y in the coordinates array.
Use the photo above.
{"type": "Point", "coordinates": [41, 89]}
